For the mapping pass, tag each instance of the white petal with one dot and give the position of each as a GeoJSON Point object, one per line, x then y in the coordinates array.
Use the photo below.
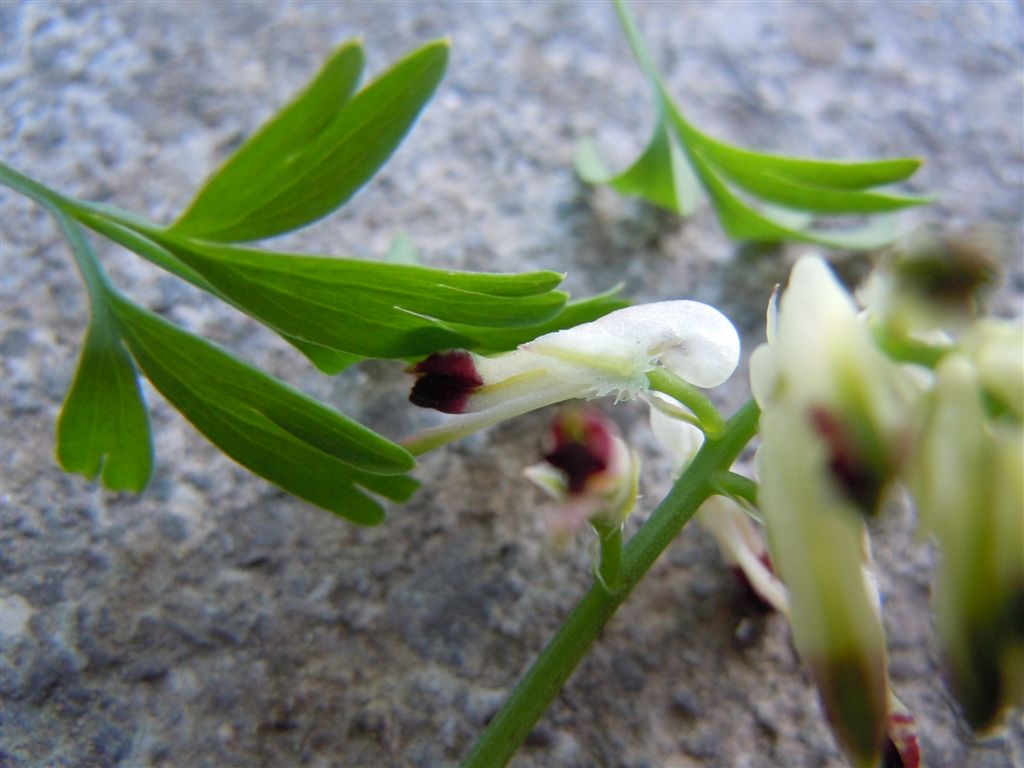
{"type": "Point", "coordinates": [764, 375]}
{"type": "Point", "coordinates": [466, 424]}
{"type": "Point", "coordinates": [613, 354]}
{"type": "Point", "coordinates": [548, 479]}
{"type": "Point", "coordinates": [741, 544]}
{"type": "Point", "coordinates": [680, 438]}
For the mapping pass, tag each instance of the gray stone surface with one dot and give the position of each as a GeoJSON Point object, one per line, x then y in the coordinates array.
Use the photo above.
{"type": "Point", "coordinates": [213, 621]}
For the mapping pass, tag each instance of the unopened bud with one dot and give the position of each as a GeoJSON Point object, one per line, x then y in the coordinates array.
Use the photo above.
{"type": "Point", "coordinates": [589, 470]}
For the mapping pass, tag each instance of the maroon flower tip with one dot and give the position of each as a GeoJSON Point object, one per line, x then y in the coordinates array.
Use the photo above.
{"type": "Point", "coordinates": [582, 447]}
{"type": "Point", "coordinates": [859, 478]}
{"type": "Point", "coordinates": [446, 380]}
{"type": "Point", "coordinates": [901, 746]}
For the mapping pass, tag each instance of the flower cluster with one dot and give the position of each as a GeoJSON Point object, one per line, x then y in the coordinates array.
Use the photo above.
{"type": "Point", "coordinates": [842, 422]}
{"type": "Point", "coordinates": [912, 390]}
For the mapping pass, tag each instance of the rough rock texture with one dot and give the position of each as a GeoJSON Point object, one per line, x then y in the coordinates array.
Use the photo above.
{"type": "Point", "coordinates": [214, 621]}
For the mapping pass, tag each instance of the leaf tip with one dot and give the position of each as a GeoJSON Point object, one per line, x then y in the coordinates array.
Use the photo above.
{"type": "Point", "coordinates": [439, 47]}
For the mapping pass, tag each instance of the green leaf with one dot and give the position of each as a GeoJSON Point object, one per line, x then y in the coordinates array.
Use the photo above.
{"type": "Point", "coordinates": [490, 341]}
{"type": "Point", "coordinates": [741, 222]}
{"type": "Point", "coordinates": [266, 426]}
{"type": "Point", "coordinates": [103, 427]}
{"type": "Point", "coordinates": [368, 308]}
{"type": "Point", "coordinates": [660, 175]}
{"type": "Point", "coordinates": [119, 228]}
{"type": "Point", "coordinates": [785, 188]}
{"type": "Point", "coordinates": [329, 361]}
{"type": "Point", "coordinates": [341, 143]}
{"type": "Point", "coordinates": [819, 200]}
{"type": "Point", "coordinates": [262, 163]}
{"type": "Point", "coordinates": [825, 174]}
{"type": "Point", "coordinates": [208, 370]}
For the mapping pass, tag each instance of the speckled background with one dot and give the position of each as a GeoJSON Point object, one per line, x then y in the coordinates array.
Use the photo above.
{"type": "Point", "coordinates": [214, 621]}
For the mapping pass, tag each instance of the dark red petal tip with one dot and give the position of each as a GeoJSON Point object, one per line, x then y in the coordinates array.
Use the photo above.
{"type": "Point", "coordinates": [446, 380]}
{"type": "Point", "coordinates": [901, 746]}
{"type": "Point", "coordinates": [856, 472]}
{"type": "Point", "coordinates": [582, 447]}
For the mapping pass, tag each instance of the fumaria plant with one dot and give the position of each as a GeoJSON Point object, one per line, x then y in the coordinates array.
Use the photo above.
{"type": "Point", "coordinates": [905, 385]}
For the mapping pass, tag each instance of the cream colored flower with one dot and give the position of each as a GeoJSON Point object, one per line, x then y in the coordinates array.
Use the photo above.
{"type": "Point", "coordinates": [834, 426]}
{"type": "Point", "coordinates": [968, 482]}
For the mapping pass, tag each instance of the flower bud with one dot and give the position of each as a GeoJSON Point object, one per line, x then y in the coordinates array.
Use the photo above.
{"type": "Point", "coordinates": [932, 283]}
{"type": "Point", "coordinates": [996, 347]}
{"type": "Point", "coordinates": [968, 483]}
{"type": "Point", "coordinates": [589, 470]}
{"type": "Point", "coordinates": [818, 542]}
{"type": "Point", "coordinates": [823, 362]}
{"type": "Point", "coordinates": [834, 429]}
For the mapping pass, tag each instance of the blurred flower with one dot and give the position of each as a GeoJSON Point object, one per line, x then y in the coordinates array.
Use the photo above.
{"type": "Point", "coordinates": [590, 471]}
{"type": "Point", "coordinates": [741, 543]}
{"type": "Point", "coordinates": [932, 283]}
{"type": "Point", "coordinates": [818, 542]}
{"type": "Point", "coordinates": [834, 430]}
{"type": "Point", "coordinates": [609, 356]}
{"type": "Point", "coordinates": [968, 482]}
{"type": "Point", "coordinates": [902, 749]}
{"type": "Point", "coordinates": [996, 349]}
{"type": "Point", "coordinates": [822, 363]}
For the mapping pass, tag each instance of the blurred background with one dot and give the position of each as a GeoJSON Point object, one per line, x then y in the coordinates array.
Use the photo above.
{"type": "Point", "coordinates": [215, 621]}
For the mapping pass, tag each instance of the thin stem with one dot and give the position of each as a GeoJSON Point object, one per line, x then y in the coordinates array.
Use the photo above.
{"type": "Point", "coordinates": [563, 653]}
{"type": "Point", "coordinates": [96, 281]}
{"type": "Point", "coordinates": [609, 569]}
{"type": "Point", "coordinates": [133, 232]}
{"type": "Point", "coordinates": [737, 486]}
{"type": "Point", "coordinates": [137, 240]}
{"type": "Point", "coordinates": [708, 417]}
{"type": "Point", "coordinates": [639, 50]}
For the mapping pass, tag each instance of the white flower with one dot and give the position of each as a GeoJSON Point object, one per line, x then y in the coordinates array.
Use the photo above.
{"type": "Point", "coordinates": [818, 543]}
{"type": "Point", "coordinates": [822, 361]}
{"type": "Point", "coordinates": [609, 356]}
{"type": "Point", "coordinates": [968, 481]}
{"type": "Point", "coordinates": [833, 425]}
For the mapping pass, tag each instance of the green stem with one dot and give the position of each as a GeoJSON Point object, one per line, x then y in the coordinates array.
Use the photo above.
{"type": "Point", "coordinates": [610, 568]}
{"type": "Point", "coordinates": [96, 281]}
{"type": "Point", "coordinates": [133, 232]}
{"type": "Point", "coordinates": [708, 417]}
{"type": "Point", "coordinates": [639, 50]}
{"type": "Point", "coordinates": [737, 486]}
{"type": "Point", "coordinates": [563, 653]}
{"type": "Point", "coordinates": [906, 349]}
{"type": "Point", "coordinates": [137, 240]}
{"type": "Point", "coordinates": [31, 188]}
